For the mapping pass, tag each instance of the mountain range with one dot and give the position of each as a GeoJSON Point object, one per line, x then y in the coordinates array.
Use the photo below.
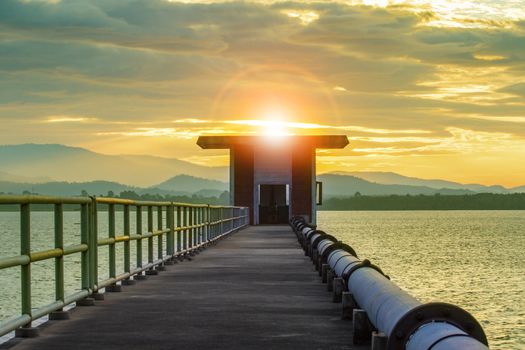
{"type": "Point", "coordinates": [73, 164]}
{"type": "Point", "coordinates": [62, 170]}
{"type": "Point", "coordinates": [180, 185]}
{"type": "Point", "coordinates": [389, 178]}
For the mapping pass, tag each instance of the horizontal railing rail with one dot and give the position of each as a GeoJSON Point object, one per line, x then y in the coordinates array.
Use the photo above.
{"type": "Point", "coordinates": [180, 229]}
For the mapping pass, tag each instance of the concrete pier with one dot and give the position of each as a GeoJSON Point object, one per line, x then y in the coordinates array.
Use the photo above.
{"type": "Point", "coordinates": [253, 290]}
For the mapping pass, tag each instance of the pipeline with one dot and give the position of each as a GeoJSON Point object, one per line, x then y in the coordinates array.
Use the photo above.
{"type": "Point", "coordinates": [406, 322]}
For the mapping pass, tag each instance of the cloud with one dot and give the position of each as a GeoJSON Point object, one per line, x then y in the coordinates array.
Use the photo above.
{"type": "Point", "coordinates": [459, 140]}
{"type": "Point", "coordinates": [68, 119]}
{"type": "Point", "coordinates": [515, 89]}
{"type": "Point", "coordinates": [106, 63]}
{"type": "Point", "coordinates": [400, 77]}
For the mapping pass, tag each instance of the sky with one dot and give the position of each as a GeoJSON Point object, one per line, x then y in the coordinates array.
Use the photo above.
{"type": "Point", "coordinates": [432, 89]}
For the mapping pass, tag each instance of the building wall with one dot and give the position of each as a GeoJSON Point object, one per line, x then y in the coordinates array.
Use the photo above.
{"type": "Point", "coordinates": [242, 172]}
{"type": "Point", "coordinates": [303, 164]}
{"type": "Point", "coordinates": [294, 165]}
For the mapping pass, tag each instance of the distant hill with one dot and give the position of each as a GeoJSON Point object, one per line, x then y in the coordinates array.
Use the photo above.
{"type": "Point", "coordinates": [335, 185]}
{"type": "Point", "coordinates": [180, 185]}
{"type": "Point", "coordinates": [192, 184]}
{"type": "Point", "coordinates": [66, 188]}
{"type": "Point", "coordinates": [520, 189]}
{"type": "Point", "coordinates": [30, 167]}
{"type": "Point", "coordinates": [73, 164]}
{"type": "Point", "coordinates": [4, 176]}
{"type": "Point", "coordinates": [389, 178]}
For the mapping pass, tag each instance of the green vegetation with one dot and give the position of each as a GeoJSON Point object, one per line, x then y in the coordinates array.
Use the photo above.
{"type": "Point", "coordinates": [481, 201]}
{"type": "Point", "coordinates": [223, 199]}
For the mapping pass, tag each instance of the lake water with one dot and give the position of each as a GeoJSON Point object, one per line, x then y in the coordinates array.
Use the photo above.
{"type": "Point", "coordinates": [42, 238]}
{"type": "Point", "coordinates": [473, 259]}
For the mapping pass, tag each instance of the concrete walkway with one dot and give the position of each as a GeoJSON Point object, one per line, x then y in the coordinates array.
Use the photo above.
{"type": "Point", "coordinates": [253, 290]}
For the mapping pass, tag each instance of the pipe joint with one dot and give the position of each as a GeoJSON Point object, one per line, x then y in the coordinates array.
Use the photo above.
{"type": "Point", "coordinates": [430, 318]}
{"type": "Point", "coordinates": [364, 263]}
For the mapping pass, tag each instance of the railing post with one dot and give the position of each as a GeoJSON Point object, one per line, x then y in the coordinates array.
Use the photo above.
{"type": "Point", "coordinates": [93, 249]}
{"type": "Point", "coordinates": [179, 225]}
{"type": "Point", "coordinates": [196, 223]}
{"type": "Point", "coordinates": [185, 231]}
{"type": "Point", "coordinates": [207, 222]}
{"type": "Point", "coordinates": [190, 234]}
{"type": "Point", "coordinates": [111, 234]}
{"type": "Point", "coordinates": [138, 219]}
{"type": "Point", "coordinates": [201, 228]}
{"type": "Point", "coordinates": [84, 239]}
{"type": "Point", "coordinates": [203, 224]}
{"type": "Point", "coordinates": [222, 220]}
{"type": "Point", "coordinates": [170, 239]}
{"type": "Point", "coordinates": [150, 238]}
{"type": "Point", "coordinates": [170, 223]}
{"type": "Point", "coordinates": [214, 224]}
{"type": "Point", "coordinates": [230, 218]}
{"type": "Point", "coordinates": [196, 231]}
{"type": "Point", "coordinates": [111, 249]}
{"type": "Point", "coordinates": [160, 228]}
{"type": "Point", "coordinates": [59, 261]}
{"type": "Point", "coordinates": [127, 246]}
{"type": "Point", "coordinates": [196, 226]}
{"type": "Point", "coordinates": [86, 255]}
{"type": "Point", "coordinates": [215, 219]}
{"type": "Point", "coordinates": [150, 231]}
{"type": "Point", "coordinates": [25, 249]}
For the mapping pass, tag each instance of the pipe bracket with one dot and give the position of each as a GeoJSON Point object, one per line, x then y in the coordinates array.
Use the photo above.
{"type": "Point", "coordinates": [430, 312]}
{"type": "Point", "coordinates": [364, 263]}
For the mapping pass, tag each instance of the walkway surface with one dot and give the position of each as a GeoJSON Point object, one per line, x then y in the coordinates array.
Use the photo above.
{"type": "Point", "coordinates": [253, 290]}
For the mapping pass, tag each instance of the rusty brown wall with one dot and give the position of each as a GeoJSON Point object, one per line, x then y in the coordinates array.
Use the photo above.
{"type": "Point", "coordinates": [301, 198]}
{"type": "Point", "coordinates": [243, 177]}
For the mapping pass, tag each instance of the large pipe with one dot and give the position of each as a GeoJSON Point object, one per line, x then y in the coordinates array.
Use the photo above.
{"type": "Point", "coordinates": [408, 323]}
{"type": "Point", "coordinates": [441, 336]}
{"type": "Point", "coordinates": [402, 317]}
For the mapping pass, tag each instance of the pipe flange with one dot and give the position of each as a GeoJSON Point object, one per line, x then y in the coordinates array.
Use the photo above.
{"type": "Point", "coordinates": [440, 312]}
{"type": "Point", "coordinates": [303, 225]}
{"type": "Point", "coordinates": [338, 245]}
{"type": "Point", "coordinates": [316, 241]}
{"type": "Point", "coordinates": [309, 234]}
{"type": "Point", "coordinates": [297, 219]}
{"type": "Point", "coordinates": [364, 263]}
{"type": "Point", "coordinates": [322, 233]}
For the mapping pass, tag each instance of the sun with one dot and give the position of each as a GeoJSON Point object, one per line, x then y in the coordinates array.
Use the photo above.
{"type": "Point", "coordinates": [274, 122]}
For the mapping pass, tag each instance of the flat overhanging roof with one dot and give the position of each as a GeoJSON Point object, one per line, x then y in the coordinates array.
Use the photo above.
{"type": "Point", "coordinates": [314, 141]}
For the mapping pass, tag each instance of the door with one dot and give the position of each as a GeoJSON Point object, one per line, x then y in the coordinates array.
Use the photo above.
{"type": "Point", "coordinates": [273, 204]}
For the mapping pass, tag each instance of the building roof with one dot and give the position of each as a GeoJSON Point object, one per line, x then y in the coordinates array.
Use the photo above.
{"type": "Point", "coordinates": [315, 141]}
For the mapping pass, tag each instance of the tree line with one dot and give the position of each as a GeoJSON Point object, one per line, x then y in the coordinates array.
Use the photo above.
{"type": "Point", "coordinates": [480, 201]}
{"type": "Point", "coordinates": [223, 199]}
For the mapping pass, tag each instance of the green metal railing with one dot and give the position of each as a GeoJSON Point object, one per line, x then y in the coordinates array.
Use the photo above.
{"type": "Point", "coordinates": [186, 228]}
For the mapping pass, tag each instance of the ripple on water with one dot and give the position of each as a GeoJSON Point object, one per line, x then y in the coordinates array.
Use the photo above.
{"type": "Point", "coordinates": [474, 259]}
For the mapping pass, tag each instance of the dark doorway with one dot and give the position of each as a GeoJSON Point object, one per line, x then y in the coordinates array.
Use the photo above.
{"type": "Point", "coordinates": [273, 207]}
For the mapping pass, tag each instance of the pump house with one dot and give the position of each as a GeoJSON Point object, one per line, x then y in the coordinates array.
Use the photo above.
{"type": "Point", "coordinates": [274, 177]}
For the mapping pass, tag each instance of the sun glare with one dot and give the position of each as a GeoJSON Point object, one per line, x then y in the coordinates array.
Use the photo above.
{"type": "Point", "coordinates": [274, 128]}
{"type": "Point", "coordinates": [274, 123]}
